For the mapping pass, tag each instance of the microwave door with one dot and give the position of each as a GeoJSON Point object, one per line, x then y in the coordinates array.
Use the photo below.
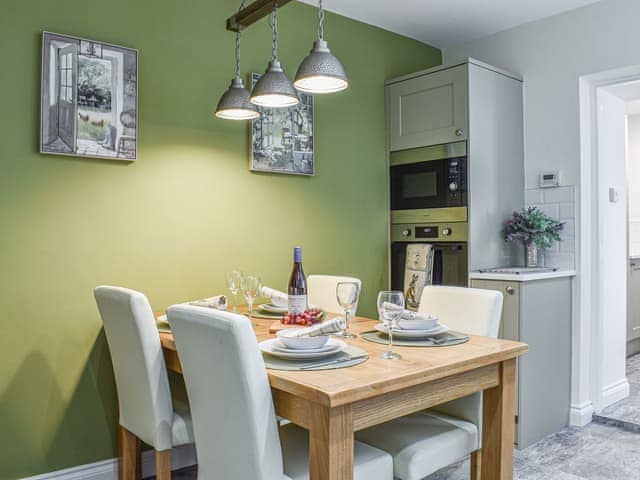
{"type": "Point", "coordinates": [418, 185]}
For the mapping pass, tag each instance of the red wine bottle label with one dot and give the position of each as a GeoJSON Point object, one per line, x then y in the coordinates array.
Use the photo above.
{"type": "Point", "coordinates": [297, 304]}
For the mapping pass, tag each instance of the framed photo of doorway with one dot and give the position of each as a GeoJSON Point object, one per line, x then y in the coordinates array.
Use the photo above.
{"type": "Point", "coordinates": [88, 98]}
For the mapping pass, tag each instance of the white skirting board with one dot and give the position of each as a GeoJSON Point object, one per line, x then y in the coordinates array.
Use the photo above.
{"type": "Point", "coordinates": [614, 393]}
{"type": "Point", "coordinates": [581, 415]}
{"type": "Point", "coordinates": [181, 457]}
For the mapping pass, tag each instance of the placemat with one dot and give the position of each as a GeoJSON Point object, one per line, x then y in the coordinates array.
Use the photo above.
{"type": "Point", "coordinates": [454, 338]}
{"type": "Point", "coordinates": [275, 363]}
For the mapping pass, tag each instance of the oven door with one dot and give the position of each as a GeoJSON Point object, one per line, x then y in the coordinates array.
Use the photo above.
{"type": "Point", "coordinates": [450, 266]}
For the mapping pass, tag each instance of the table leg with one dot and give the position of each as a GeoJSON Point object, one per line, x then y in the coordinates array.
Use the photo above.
{"type": "Point", "coordinates": [331, 443]}
{"type": "Point", "coordinates": [498, 415]}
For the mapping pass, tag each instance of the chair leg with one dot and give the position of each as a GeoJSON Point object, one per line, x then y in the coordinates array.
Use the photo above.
{"type": "Point", "coordinates": [129, 455]}
{"type": "Point", "coordinates": [163, 465]}
{"type": "Point", "coordinates": [475, 465]}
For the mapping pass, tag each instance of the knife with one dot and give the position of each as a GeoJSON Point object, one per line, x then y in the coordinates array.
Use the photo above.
{"type": "Point", "coordinates": [333, 362]}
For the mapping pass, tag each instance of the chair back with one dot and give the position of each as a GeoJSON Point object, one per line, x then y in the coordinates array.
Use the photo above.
{"type": "Point", "coordinates": [322, 292]}
{"type": "Point", "coordinates": [234, 420]}
{"type": "Point", "coordinates": [469, 310]}
{"type": "Point", "coordinates": [141, 378]}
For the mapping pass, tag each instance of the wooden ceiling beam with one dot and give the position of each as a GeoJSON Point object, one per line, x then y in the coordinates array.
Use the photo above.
{"type": "Point", "coordinates": [252, 13]}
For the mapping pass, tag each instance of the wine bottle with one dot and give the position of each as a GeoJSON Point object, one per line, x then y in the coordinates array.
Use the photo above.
{"type": "Point", "coordinates": [297, 285]}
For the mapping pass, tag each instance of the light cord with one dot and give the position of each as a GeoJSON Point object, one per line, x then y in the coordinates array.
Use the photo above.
{"type": "Point", "coordinates": [273, 21]}
{"type": "Point", "coordinates": [320, 20]}
{"type": "Point", "coordinates": [242, 4]}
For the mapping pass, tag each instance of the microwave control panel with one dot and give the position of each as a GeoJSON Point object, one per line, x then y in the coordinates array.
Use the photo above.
{"type": "Point", "coordinates": [456, 177]}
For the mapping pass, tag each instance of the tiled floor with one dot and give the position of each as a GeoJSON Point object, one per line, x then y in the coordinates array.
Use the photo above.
{"type": "Point", "coordinates": [626, 413]}
{"type": "Point", "coordinates": [608, 449]}
{"type": "Point", "coordinates": [594, 452]}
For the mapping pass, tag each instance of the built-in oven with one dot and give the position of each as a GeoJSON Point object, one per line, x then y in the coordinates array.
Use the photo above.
{"type": "Point", "coordinates": [448, 241]}
{"type": "Point", "coordinates": [429, 177]}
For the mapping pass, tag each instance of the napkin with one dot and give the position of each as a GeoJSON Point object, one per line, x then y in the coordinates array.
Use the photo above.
{"type": "Point", "coordinates": [278, 298]}
{"type": "Point", "coordinates": [334, 325]}
{"type": "Point", "coordinates": [219, 302]}
{"type": "Point", "coordinates": [408, 316]}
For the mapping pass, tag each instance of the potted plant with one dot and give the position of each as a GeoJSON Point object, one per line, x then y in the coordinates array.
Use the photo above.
{"type": "Point", "coordinates": [536, 230]}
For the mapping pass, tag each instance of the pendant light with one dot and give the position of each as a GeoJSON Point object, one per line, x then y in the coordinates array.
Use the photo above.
{"type": "Point", "coordinates": [234, 103]}
{"type": "Point", "coordinates": [321, 71]}
{"type": "Point", "coordinates": [274, 89]}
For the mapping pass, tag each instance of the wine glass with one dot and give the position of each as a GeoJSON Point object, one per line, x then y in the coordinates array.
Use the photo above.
{"type": "Point", "coordinates": [390, 306]}
{"type": "Point", "coordinates": [347, 294]}
{"type": "Point", "coordinates": [250, 289]}
{"type": "Point", "coordinates": [234, 280]}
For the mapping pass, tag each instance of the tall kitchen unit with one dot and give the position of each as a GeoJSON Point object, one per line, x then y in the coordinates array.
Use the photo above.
{"type": "Point", "coordinates": [466, 114]}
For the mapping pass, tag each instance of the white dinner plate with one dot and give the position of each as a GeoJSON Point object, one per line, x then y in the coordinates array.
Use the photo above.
{"type": "Point", "coordinates": [329, 347]}
{"type": "Point", "coordinates": [274, 347]}
{"type": "Point", "coordinates": [271, 308]}
{"type": "Point", "coordinates": [414, 334]}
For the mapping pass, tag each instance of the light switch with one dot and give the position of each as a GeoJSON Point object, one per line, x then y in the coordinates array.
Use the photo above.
{"type": "Point", "coordinates": [613, 195]}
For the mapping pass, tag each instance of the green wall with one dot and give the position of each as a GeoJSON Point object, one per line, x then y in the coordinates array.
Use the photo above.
{"type": "Point", "coordinates": [173, 222]}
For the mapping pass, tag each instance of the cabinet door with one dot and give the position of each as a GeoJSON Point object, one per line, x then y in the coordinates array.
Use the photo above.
{"type": "Point", "coordinates": [509, 325]}
{"type": "Point", "coordinates": [510, 322]}
{"type": "Point", "coordinates": [428, 110]}
{"type": "Point", "coordinates": [633, 323]}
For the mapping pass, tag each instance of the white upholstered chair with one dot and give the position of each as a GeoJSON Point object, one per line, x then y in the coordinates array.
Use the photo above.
{"type": "Point", "coordinates": [234, 421]}
{"type": "Point", "coordinates": [146, 409]}
{"type": "Point", "coordinates": [429, 440]}
{"type": "Point", "coordinates": [322, 291]}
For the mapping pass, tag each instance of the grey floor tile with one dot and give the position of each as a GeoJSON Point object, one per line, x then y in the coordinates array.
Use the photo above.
{"type": "Point", "coordinates": [626, 412]}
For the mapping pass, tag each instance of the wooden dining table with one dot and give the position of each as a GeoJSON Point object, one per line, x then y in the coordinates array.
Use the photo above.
{"type": "Point", "coordinates": [334, 404]}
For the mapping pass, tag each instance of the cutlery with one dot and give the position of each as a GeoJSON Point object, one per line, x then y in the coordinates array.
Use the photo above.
{"type": "Point", "coordinates": [440, 341]}
{"type": "Point", "coordinates": [332, 362]}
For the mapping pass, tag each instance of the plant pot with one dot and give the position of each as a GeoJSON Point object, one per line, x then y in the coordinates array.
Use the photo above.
{"type": "Point", "coordinates": [533, 255]}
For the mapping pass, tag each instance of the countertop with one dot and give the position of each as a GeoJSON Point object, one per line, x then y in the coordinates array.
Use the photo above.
{"type": "Point", "coordinates": [522, 277]}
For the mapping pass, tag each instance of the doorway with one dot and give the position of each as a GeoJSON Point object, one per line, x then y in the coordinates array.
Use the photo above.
{"type": "Point", "coordinates": [601, 330]}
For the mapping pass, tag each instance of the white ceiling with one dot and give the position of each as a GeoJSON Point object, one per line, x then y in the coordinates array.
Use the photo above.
{"type": "Point", "coordinates": [444, 23]}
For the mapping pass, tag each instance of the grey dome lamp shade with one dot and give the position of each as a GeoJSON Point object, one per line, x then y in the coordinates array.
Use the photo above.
{"type": "Point", "coordinates": [321, 72]}
{"type": "Point", "coordinates": [234, 103]}
{"type": "Point", "coordinates": [274, 89]}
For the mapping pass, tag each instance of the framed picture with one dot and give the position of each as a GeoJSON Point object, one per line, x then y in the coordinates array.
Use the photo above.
{"type": "Point", "coordinates": [282, 138]}
{"type": "Point", "coordinates": [88, 98]}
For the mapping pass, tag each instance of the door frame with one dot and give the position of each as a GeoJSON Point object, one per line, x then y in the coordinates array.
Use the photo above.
{"type": "Point", "coordinates": [588, 390]}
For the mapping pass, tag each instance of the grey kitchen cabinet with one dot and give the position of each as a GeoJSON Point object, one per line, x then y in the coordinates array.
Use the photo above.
{"type": "Point", "coordinates": [470, 106]}
{"type": "Point", "coordinates": [428, 109]}
{"type": "Point", "coordinates": [633, 308]}
{"type": "Point", "coordinates": [538, 312]}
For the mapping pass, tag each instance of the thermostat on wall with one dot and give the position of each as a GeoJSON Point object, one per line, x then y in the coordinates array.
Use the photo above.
{"type": "Point", "coordinates": [550, 179]}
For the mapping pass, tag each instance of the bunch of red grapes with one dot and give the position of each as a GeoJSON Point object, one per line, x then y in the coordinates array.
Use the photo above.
{"type": "Point", "coordinates": [307, 318]}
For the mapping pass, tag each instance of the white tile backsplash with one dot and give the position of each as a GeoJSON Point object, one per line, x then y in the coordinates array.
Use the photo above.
{"type": "Point", "coordinates": [533, 196]}
{"type": "Point", "coordinates": [559, 195]}
{"type": "Point", "coordinates": [559, 203]}
{"type": "Point", "coordinates": [566, 211]}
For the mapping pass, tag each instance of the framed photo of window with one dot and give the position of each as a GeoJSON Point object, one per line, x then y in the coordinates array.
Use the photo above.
{"type": "Point", "coordinates": [88, 98]}
{"type": "Point", "coordinates": [282, 138]}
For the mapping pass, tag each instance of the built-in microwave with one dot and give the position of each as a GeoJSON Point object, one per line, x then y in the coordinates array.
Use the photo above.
{"type": "Point", "coordinates": [429, 177]}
